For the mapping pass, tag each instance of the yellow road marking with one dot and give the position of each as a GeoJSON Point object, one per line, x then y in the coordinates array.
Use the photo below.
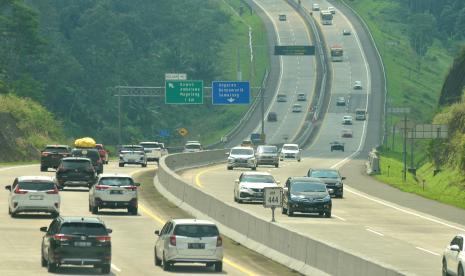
{"type": "Point", "coordinates": [242, 269]}
{"type": "Point", "coordinates": [198, 175]}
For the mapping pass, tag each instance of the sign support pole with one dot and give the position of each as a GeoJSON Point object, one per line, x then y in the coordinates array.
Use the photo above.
{"type": "Point", "coordinates": [272, 214]}
{"type": "Point", "coordinates": [404, 150]}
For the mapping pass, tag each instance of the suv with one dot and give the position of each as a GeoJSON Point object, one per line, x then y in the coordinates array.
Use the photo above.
{"type": "Point", "coordinates": [332, 178]}
{"type": "Point", "coordinates": [75, 171]}
{"type": "Point", "coordinates": [52, 154]}
{"type": "Point", "coordinates": [132, 154]}
{"type": "Point", "coordinates": [33, 194]}
{"type": "Point", "coordinates": [243, 157]}
{"type": "Point", "coordinates": [290, 151]}
{"type": "Point", "coordinates": [189, 241]}
{"type": "Point", "coordinates": [152, 150]}
{"type": "Point", "coordinates": [306, 195]}
{"type": "Point", "coordinates": [76, 241]}
{"type": "Point", "coordinates": [267, 155]}
{"type": "Point", "coordinates": [92, 154]}
{"type": "Point", "coordinates": [103, 153]}
{"type": "Point", "coordinates": [250, 185]}
{"type": "Point", "coordinates": [114, 191]}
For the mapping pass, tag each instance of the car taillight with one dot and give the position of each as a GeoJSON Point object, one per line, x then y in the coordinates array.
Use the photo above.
{"type": "Point", "coordinates": [54, 191]}
{"type": "Point", "coordinates": [45, 153]}
{"type": "Point", "coordinates": [219, 241]}
{"type": "Point", "coordinates": [19, 191]}
{"type": "Point", "coordinates": [61, 237]}
{"type": "Point", "coordinates": [131, 188]}
{"type": "Point", "coordinates": [101, 187]}
{"type": "Point", "coordinates": [173, 240]}
{"type": "Point", "coordinates": [103, 238]}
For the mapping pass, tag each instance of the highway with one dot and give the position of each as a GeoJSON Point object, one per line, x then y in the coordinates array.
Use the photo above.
{"type": "Point", "coordinates": [132, 238]}
{"type": "Point", "coordinates": [405, 238]}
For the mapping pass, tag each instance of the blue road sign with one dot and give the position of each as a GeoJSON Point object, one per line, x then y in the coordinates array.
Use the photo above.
{"type": "Point", "coordinates": [230, 92]}
{"type": "Point", "coordinates": [164, 133]}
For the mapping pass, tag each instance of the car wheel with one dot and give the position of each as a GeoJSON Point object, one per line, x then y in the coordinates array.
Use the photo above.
{"type": "Point", "coordinates": [341, 195]}
{"type": "Point", "coordinates": [121, 164]}
{"type": "Point", "coordinates": [166, 264]}
{"type": "Point", "coordinates": [254, 168]}
{"type": "Point", "coordinates": [132, 211]}
{"type": "Point", "coordinates": [43, 169]}
{"type": "Point", "coordinates": [240, 201]}
{"type": "Point", "coordinates": [290, 213]}
{"type": "Point", "coordinates": [13, 214]}
{"type": "Point", "coordinates": [460, 270]}
{"type": "Point", "coordinates": [444, 268]}
{"type": "Point", "coordinates": [157, 260]}
{"type": "Point", "coordinates": [219, 266]}
{"type": "Point", "coordinates": [9, 210]}
{"type": "Point", "coordinates": [283, 210]}
{"type": "Point", "coordinates": [106, 268]}
{"type": "Point", "coordinates": [51, 267]}
{"type": "Point", "coordinates": [276, 165]}
{"type": "Point", "coordinates": [60, 187]}
{"type": "Point", "coordinates": [298, 160]}
{"type": "Point", "coordinates": [54, 214]}
{"type": "Point", "coordinates": [328, 214]}
{"type": "Point", "coordinates": [230, 168]}
{"type": "Point", "coordinates": [144, 165]}
{"type": "Point", "coordinates": [43, 261]}
{"type": "Point", "coordinates": [95, 210]}
{"type": "Point", "coordinates": [235, 198]}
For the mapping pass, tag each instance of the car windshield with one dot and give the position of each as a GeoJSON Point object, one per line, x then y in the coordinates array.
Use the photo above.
{"type": "Point", "coordinates": [196, 230]}
{"type": "Point", "coordinates": [257, 178]}
{"type": "Point", "coordinates": [359, 111]}
{"type": "Point", "coordinates": [307, 187]}
{"type": "Point", "coordinates": [150, 145]}
{"type": "Point", "coordinates": [56, 149]}
{"type": "Point", "coordinates": [92, 154]}
{"type": "Point", "coordinates": [268, 149]}
{"type": "Point", "coordinates": [76, 164]}
{"type": "Point", "coordinates": [193, 146]}
{"type": "Point", "coordinates": [116, 181]}
{"type": "Point", "coordinates": [242, 152]}
{"type": "Point", "coordinates": [37, 185]}
{"type": "Point", "coordinates": [324, 174]}
{"type": "Point", "coordinates": [290, 148]}
{"type": "Point", "coordinates": [79, 228]}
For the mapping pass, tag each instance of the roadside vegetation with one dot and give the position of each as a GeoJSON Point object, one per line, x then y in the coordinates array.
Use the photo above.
{"type": "Point", "coordinates": [418, 41]}
{"type": "Point", "coordinates": [67, 57]}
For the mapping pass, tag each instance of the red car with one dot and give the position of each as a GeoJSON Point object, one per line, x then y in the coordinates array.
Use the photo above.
{"type": "Point", "coordinates": [103, 153]}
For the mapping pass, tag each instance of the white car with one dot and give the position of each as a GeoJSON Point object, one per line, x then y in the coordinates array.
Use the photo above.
{"type": "Point", "coordinates": [132, 154]}
{"type": "Point", "coordinates": [193, 146]}
{"type": "Point", "coordinates": [250, 185]}
{"type": "Point", "coordinates": [37, 194]}
{"type": "Point", "coordinates": [114, 191]}
{"type": "Point", "coordinates": [152, 150]}
{"type": "Point", "coordinates": [357, 85]}
{"type": "Point", "coordinates": [297, 108]}
{"type": "Point", "coordinates": [189, 241]}
{"type": "Point", "coordinates": [315, 7]}
{"type": "Point", "coordinates": [332, 10]}
{"type": "Point", "coordinates": [290, 151]}
{"type": "Point", "coordinates": [347, 120]}
{"type": "Point", "coordinates": [453, 258]}
{"type": "Point", "coordinates": [242, 157]}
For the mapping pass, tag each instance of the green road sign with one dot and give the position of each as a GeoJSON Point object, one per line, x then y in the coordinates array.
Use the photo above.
{"type": "Point", "coordinates": [183, 92]}
{"type": "Point", "coordinates": [294, 50]}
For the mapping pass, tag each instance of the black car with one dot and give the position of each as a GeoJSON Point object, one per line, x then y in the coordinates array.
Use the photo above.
{"type": "Point", "coordinates": [51, 156]}
{"type": "Point", "coordinates": [306, 195]}
{"type": "Point", "coordinates": [92, 154]}
{"type": "Point", "coordinates": [332, 178]}
{"type": "Point", "coordinates": [75, 171]}
{"type": "Point", "coordinates": [272, 117]}
{"type": "Point", "coordinates": [337, 146]}
{"type": "Point", "coordinates": [76, 241]}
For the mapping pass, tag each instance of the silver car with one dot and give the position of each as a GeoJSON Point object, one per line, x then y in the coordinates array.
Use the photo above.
{"type": "Point", "coordinates": [453, 258]}
{"type": "Point", "coordinates": [189, 241]}
{"type": "Point", "coordinates": [267, 155]}
{"type": "Point", "coordinates": [242, 157]}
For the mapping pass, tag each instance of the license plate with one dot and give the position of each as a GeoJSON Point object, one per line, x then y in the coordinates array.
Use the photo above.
{"type": "Point", "coordinates": [132, 160]}
{"type": "Point", "coordinates": [196, 246]}
{"type": "Point", "coordinates": [116, 192]}
{"type": "Point", "coordinates": [36, 197]}
{"type": "Point", "coordinates": [82, 244]}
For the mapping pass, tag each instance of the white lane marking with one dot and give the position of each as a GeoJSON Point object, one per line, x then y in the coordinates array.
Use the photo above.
{"type": "Point", "coordinates": [115, 268]}
{"type": "Point", "coordinates": [385, 203]}
{"type": "Point", "coordinates": [17, 167]}
{"type": "Point", "coordinates": [428, 251]}
{"type": "Point", "coordinates": [374, 232]}
{"type": "Point", "coordinates": [339, 218]}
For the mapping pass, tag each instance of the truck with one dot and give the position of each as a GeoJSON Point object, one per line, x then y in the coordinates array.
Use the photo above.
{"type": "Point", "coordinates": [326, 17]}
{"type": "Point", "coordinates": [337, 53]}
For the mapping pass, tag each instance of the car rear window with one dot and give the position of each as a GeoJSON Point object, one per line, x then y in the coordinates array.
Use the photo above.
{"type": "Point", "coordinates": [196, 230]}
{"type": "Point", "coordinates": [323, 174]}
{"type": "Point", "coordinates": [92, 154]}
{"type": "Point", "coordinates": [76, 164]}
{"type": "Point", "coordinates": [76, 228]}
{"type": "Point", "coordinates": [56, 149]}
{"type": "Point", "coordinates": [271, 149]}
{"type": "Point", "coordinates": [116, 181]}
{"type": "Point", "coordinates": [150, 145]}
{"type": "Point", "coordinates": [36, 185]}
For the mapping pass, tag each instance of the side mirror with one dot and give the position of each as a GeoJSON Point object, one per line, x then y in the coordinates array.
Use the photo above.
{"type": "Point", "coordinates": [226, 153]}
{"type": "Point", "coordinates": [454, 248]}
{"type": "Point", "coordinates": [157, 232]}
{"type": "Point", "coordinates": [137, 184]}
{"type": "Point", "coordinates": [285, 190]}
{"type": "Point", "coordinates": [109, 230]}
{"type": "Point", "coordinates": [331, 191]}
{"type": "Point", "coordinates": [343, 178]}
{"type": "Point", "coordinates": [278, 182]}
{"type": "Point", "coordinates": [8, 187]}
{"type": "Point", "coordinates": [43, 229]}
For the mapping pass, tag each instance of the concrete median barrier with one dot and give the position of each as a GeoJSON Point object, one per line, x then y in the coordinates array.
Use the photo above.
{"type": "Point", "coordinates": [286, 246]}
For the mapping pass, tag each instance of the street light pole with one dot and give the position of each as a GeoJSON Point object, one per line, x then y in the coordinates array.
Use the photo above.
{"type": "Point", "coordinates": [119, 117]}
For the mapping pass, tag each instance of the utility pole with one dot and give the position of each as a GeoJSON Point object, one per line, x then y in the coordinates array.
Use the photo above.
{"type": "Point", "coordinates": [412, 147]}
{"type": "Point", "coordinates": [404, 150]}
{"type": "Point", "coordinates": [119, 117]}
{"type": "Point", "coordinates": [263, 113]}
{"type": "Point", "coordinates": [239, 73]}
